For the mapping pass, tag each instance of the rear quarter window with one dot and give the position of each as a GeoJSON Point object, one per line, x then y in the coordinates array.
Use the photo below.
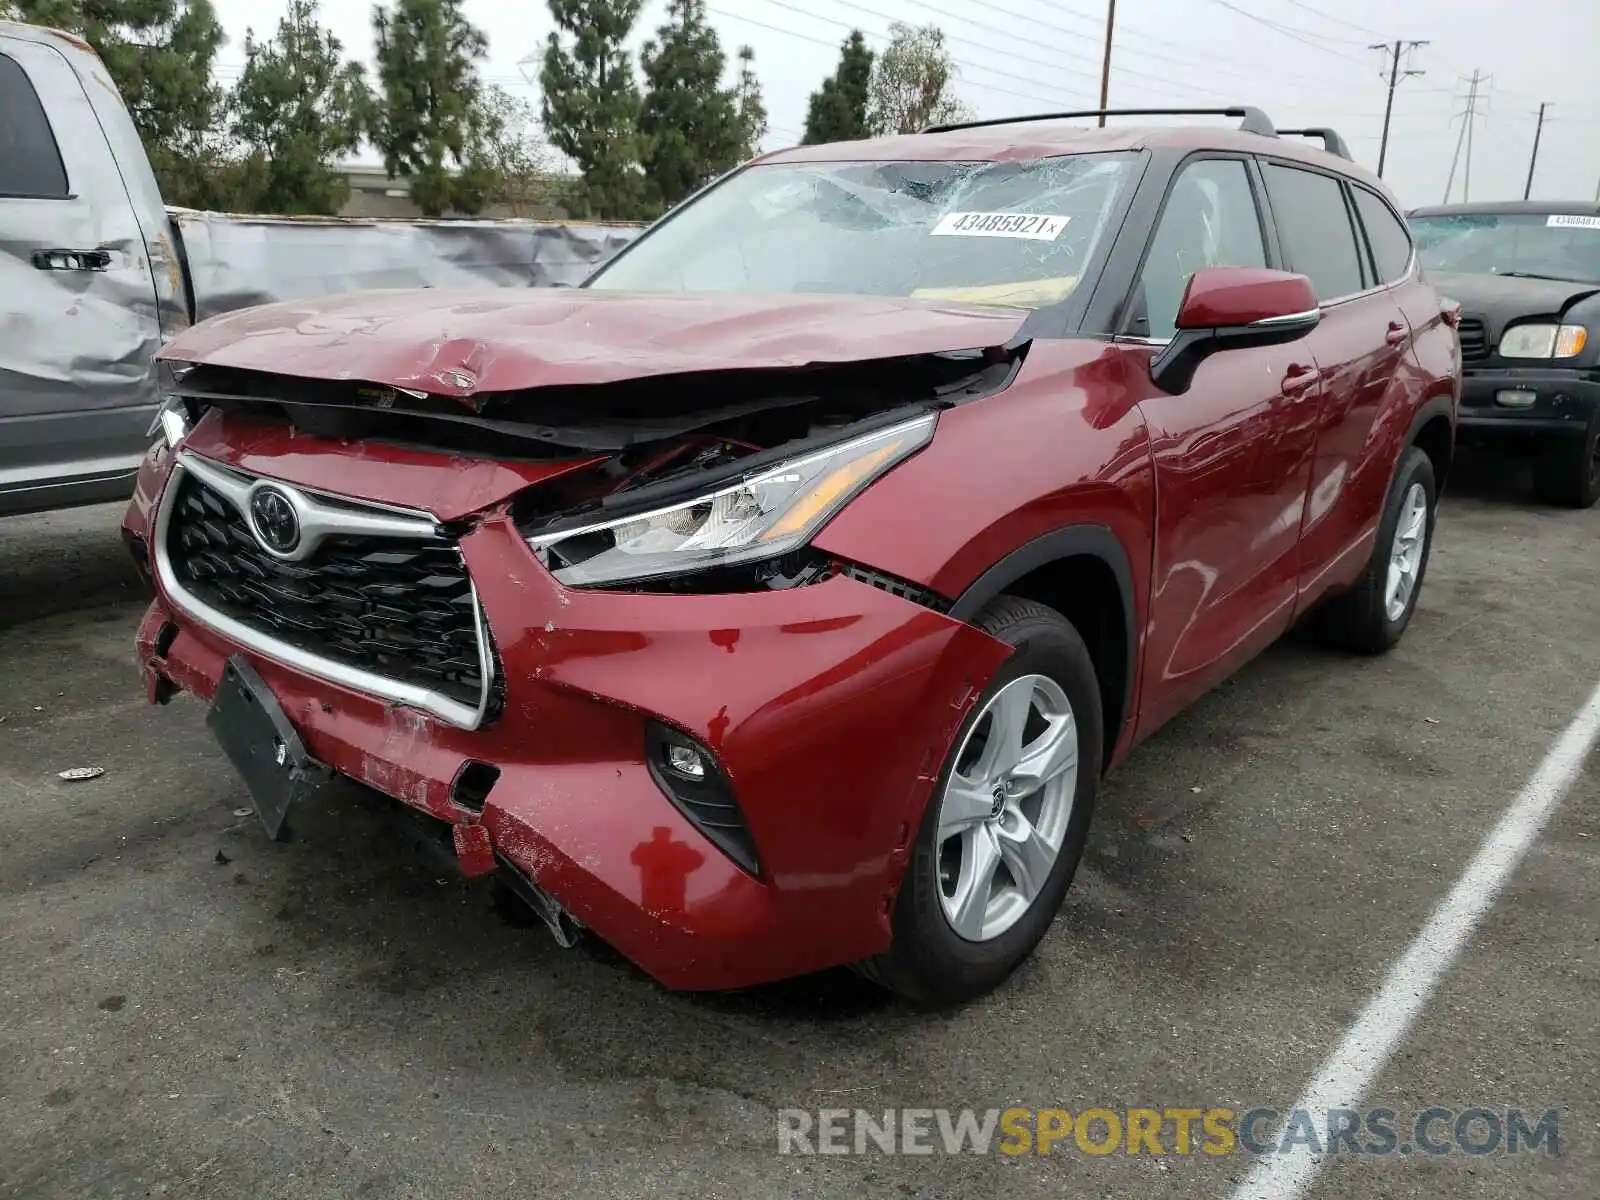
{"type": "Point", "coordinates": [1391, 244]}
{"type": "Point", "coordinates": [30, 161]}
{"type": "Point", "coordinates": [1314, 227]}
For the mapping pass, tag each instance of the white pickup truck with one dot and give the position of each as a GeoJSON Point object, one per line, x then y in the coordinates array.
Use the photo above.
{"type": "Point", "coordinates": [96, 273]}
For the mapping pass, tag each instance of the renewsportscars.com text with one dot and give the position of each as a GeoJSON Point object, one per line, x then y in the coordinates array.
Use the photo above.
{"type": "Point", "coordinates": [1439, 1130]}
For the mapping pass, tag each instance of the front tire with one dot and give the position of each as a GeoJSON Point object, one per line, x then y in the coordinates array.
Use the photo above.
{"type": "Point", "coordinates": [1372, 616]}
{"type": "Point", "coordinates": [1006, 824]}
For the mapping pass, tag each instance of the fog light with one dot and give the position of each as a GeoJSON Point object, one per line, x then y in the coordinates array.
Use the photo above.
{"type": "Point", "coordinates": [690, 776]}
{"type": "Point", "coordinates": [1515, 398]}
{"type": "Point", "coordinates": [686, 761]}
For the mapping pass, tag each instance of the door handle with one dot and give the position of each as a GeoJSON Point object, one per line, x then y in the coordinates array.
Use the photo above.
{"type": "Point", "coordinates": [72, 260]}
{"type": "Point", "coordinates": [1397, 333]}
{"type": "Point", "coordinates": [1297, 379]}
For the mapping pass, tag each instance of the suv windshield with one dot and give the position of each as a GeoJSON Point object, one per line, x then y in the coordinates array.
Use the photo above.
{"type": "Point", "coordinates": [1016, 234]}
{"type": "Point", "coordinates": [1560, 247]}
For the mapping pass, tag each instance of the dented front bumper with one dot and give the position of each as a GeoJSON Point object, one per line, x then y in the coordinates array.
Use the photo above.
{"type": "Point", "coordinates": [827, 707]}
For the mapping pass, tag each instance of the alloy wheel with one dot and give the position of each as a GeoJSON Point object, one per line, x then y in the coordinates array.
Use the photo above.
{"type": "Point", "coordinates": [1405, 554]}
{"type": "Point", "coordinates": [1005, 809]}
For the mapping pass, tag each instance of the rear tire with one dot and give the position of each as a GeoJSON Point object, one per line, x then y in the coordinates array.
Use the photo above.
{"type": "Point", "coordinates": [1050, 680]}
{"type": "Point", "coordinates": [1370, 618]}
{"type": "Point", "coordinates": [1568, 471]}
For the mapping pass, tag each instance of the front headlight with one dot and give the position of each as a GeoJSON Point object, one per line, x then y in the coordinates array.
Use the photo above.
{"type": "Point", "coordinates": [171, 422]}
{"type": "Point", "coordinates": [1543, 341]}
{"type": "Point", "coordinates": [760, 517]}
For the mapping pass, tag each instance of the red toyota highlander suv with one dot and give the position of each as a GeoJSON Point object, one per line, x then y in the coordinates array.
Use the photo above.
{"type": "Point", "coordinates": [778, 599]}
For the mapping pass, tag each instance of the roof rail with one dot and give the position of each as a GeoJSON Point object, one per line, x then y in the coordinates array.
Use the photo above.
{"type": "Point", "coordinates": [1331, 141]}
{"type": "Point", "coordinates": [1251, 119]}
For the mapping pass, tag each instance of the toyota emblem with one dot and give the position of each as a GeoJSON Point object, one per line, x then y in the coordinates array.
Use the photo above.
{"type": "Point", "coordinates": [276, 523]}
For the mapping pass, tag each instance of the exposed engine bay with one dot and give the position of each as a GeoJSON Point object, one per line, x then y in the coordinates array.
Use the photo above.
{"type": "Point", "coordinates": [649, 440]}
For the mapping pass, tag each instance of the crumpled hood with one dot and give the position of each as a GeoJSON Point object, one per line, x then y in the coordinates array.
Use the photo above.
{"type": "Point", "coordinates": [1505, 298]}
{"type": "Point", "coordinates": [458, 343]}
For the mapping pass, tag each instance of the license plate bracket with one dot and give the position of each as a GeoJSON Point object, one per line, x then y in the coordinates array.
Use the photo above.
{"type": "Point", "coordinates": [258, 738]}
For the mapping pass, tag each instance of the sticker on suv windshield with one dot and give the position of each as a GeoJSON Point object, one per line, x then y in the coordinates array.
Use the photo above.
{"type": "Point", "coordinates": [1570, 222]}
{"type": "Point", "coordinates": [1033, 226]}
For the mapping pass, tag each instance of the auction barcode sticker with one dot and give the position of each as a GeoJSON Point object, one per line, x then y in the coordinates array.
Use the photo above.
{"type": "Point", "coordinates": [1033, 226]}
{"type": "Point", "coordinates": [1573, 222]}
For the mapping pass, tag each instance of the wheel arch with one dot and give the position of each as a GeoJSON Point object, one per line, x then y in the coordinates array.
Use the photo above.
{"type": "Point", "coordinates": [1079, 571]}
{"type": "Point", "coordinates": [1433, 431]}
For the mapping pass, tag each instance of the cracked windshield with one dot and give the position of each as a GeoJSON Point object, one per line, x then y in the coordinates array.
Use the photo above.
{"type": "Point", "coordinates": [1013, 234]}
{"type": "Point", "coordinates": [1554, 246]}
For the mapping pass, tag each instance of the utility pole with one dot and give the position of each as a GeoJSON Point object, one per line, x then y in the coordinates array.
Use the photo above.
{"type": "Point", "coordinates": [1527, 188]}
{"type": "Point", "coordinates": [1105, 66]}
{"type": "Point", "coordinates": [1395, 76]}
{"type": "Point", "coordinates": [1468, 116]}
{"type": "Point", "coordinates": [1466, 182]}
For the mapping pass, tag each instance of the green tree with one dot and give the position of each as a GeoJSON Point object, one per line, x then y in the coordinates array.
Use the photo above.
{"type": "Point", "coordinates": [590, 105]}
{"type": "Point", "coordinates": [690, 122]}
{"type": "Point", "coordinates": [751, 107]}
{"type": "Point", "coordinates": [838, 109]}
{"type": "Point", "coordinates": [160, 54]}
{"type": "Point", "coordinates": [428, 120]}
{"type": "Point", "coordinates": [297, 107]}
{"type": "Point", "coordinates": [913, 81]}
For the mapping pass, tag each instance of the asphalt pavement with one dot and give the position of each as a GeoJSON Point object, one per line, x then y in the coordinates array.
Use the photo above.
{"type": "Point", "coordinates": [188, 1010]}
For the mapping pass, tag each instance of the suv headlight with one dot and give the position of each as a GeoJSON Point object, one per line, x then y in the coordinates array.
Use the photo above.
{"type": "Point", "coordinates": [762, 516]}
{"type": "Point", "coordinates": [1543, 341]}
{"type": "Point", "coordinates": [171, 422]}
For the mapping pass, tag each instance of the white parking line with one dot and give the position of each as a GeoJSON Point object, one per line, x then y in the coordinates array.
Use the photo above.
{"type": "Point", "coordinates": [1352, 1068]}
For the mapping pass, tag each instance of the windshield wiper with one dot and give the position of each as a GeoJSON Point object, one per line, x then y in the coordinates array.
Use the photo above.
{"type": "Point", "coordinates": [1536, 275]}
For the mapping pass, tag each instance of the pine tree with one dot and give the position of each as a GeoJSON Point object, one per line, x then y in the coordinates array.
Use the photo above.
{"type": "Point", "coordinates": [752, 108]}
{"type": "Point", "coordinates": [590, 106]}
{"type": "Point", "coordinates": [838, 109]}
{"type": "Point", "coordinates": [297, 107]}
{"type": "Point", "coordinates": [429, 121]}
{"type": "Point", "coordinates": [160, 54]}
{"type": "Point", "coordinates": [689, 121]}
{"type": "Point", "coordinates": [913, 82]}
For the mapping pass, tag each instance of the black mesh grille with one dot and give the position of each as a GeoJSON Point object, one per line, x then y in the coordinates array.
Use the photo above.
{"type": "Point", "coordinates": [400, 608]}
{"type": "Point", "coordinates": [1474, 340]}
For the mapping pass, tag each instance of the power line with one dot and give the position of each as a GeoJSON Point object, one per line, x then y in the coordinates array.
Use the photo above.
{"type": "Point", "coordinates": [1303, 36]}
{"type": "Point", "coordinates": [964, 39]}
{"type": "Point", "coordinates": [1035, 23]}
{"type": "Point", "coordinates": [834, 45]}
{"type": "Point", "coordinates": [1009, 52]}
{"type": "Point", "coordinates": [1317, 12]}
{"type": "Point", "coordinates": [1056, 95]}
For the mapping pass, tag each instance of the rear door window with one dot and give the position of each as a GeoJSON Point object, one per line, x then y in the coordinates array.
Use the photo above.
{"type": "Point", "coordinates": [30, 162]}
{"type": "Point", "coordinates": [1391, 244]}
{"type": "Point", "coordinates": [1314, 227]}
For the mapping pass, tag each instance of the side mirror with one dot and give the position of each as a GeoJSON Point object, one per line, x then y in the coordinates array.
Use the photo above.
{"type": "Point", "coordinates": [1230, 308]}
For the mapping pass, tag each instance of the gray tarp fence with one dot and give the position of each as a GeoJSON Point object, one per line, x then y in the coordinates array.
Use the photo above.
{"type": "Point", "coordinates": [239, 260]}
